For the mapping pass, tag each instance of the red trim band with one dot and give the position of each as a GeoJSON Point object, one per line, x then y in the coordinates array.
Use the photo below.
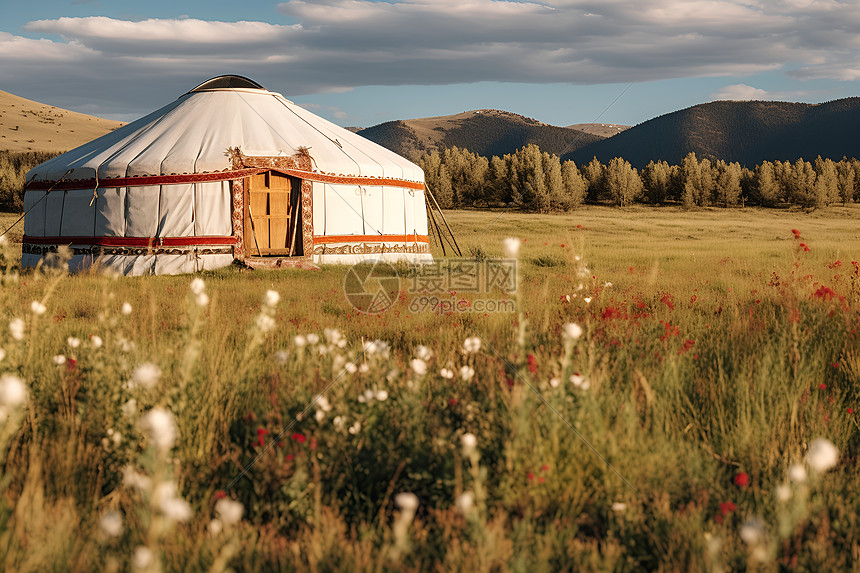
{"type": "Point", "coordinates": [131, 241]}
{"type": "Point", "coordinates": [218, 176]}
{"type": "Point", "coordinates": [141, 181]}
{"type": "Point", "coordinates": [325, 239]}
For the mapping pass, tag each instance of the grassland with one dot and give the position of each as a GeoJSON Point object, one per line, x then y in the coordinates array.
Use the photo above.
{"type": "Point", "coordinates": [716, 347]}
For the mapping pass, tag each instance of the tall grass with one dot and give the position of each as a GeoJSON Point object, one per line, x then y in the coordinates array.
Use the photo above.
{"type": "Point", "coordinates": [661, 438]}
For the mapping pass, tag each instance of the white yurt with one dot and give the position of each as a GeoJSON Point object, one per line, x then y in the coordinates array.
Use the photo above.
{"type": "Point", "coordinates": [228, 172]}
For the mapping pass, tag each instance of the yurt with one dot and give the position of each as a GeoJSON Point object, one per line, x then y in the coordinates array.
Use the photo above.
{"type": "Point", "coordinates": [228, 172]}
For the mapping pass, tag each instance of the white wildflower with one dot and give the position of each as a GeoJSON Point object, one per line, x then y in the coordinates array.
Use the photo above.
{"type": "Point", "coordinates": [143, 558]}
{"type": "Point", "coordinates": [554, 382]}
{"type": "Point", "coordinates": [130, 408]}
{"type": "Point", "coordinates": [126, 308]}
{"type": "Point", "coordinates": [466, 373]}
{"type": "Point", "coordinates": [335, 337]}
{"type": "Point", "coordinates": [322, 403]}
{"type": "Point", "coordinates": [215, 527]}
{"type": "Point", "coordinates": [423, 353]}
{"type": "Point", "coordinates": [201, 299]}
{"type": "Point", "coordinates": [587, 300]}
{"type": "Point", "coordinates": [406, 501]}
{"type": "Point", "coordinates": [73, 342]}
{"type": "Point", "coordinates": [472, 345]}
{"type": "Point", "coordinates": [2, 354]}
{"type": "Point", "coordinates": [13, 391]}
{"type": "Point", "coordinates": [265, 323]}
{"type": "Point", "coordinates": [822, 455]}
{"type": "Point", "coordinates": [619, 507]}
{"type": "Point", "coordinates": [580, 381]}
{"type": "Point", "coordinates": [281, 356]}
{"type": "Point", "coordinates": [339, 422]}
{"type": "Point", "coordinates": [37, 307]}
{"type": "Point", "coordinates": [783, 492]}
{"type": "Point", "coordinates": [171, 505]}
{"type": "Point", "coordinates": [465, 502]}
{"type": "Point", "coordinates": [319, 416]}
{"type": "Point", "coordinates": [111, 524]}
{"type": "Point", "coordinates": [59, 359]}
{"type": "Point", "coordinates": [16, 328]}
{"type": "Point", "coordinates": [160, 427]}
{"type": "Point", "coordinates": [135, 480]}
{"type": "Point", "coordinates": [272, 297]}
{"type": "Point", "coordinates": [572, 331]}
{"type": "Point", "coordinates": [797, 473]}
{"type": "Point", "coordinates": [446, 373]}
{"type": "Point", "coordinates": [96, 341]}
{"type": "Point", "coordinates": [351, 368]}
{"type": "Point", "coordinates": [381, 396]}
{"type": "Point", "coordinates": [607, 285]}
{"type": "Point", "coordinates": [364, 368]}
{"type": "Point", "coordinates": [752, 532]}
{"type": "Point", "coordinates": [197, 286]}
{"type": "Point", "coordinates": [229, 511]}
{"type": "Point", "coordinates": [300, 341]}
{"type": "Point", "coordinates": [369, 395]}
{"type": "Point", "coordinates": [355, 428]}
{"type": "Point", "coordinates": [379, 347]}
{"type": "Point", "coordinates": [312, 338]}
{"type": "Point", "coordinates": [512, 247]}
{"type": "Point", "coordinates": [418, 366]}
{"type": "Point", "coordinates": [470, 444]}
{"type": "Point", "coordinates": [146, 375]}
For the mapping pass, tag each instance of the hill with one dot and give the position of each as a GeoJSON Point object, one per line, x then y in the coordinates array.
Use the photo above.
{"type": "Point", "coordinates": [748, 132]}
{"type": "Point", "coordinates": [601, 129]}
{"type": "Point", "coordinates": [26, 125]}
{"type": "Point", "coordinates": [486, 132]}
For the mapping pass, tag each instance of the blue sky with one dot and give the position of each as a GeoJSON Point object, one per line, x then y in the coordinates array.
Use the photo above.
{"type": "Point", "coordinates": [359, 62]}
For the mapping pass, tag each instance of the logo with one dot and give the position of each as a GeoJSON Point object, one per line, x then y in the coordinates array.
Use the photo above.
{"type": "Point", "coordinates": [372, 288]}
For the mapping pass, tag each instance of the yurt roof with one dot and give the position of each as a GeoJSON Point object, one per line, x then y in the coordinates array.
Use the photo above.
{"type": "Point", "coordinates": [192, 135]}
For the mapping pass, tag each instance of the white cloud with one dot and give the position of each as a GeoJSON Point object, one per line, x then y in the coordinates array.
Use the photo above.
{"type": "Point", "coordinates": [741, 92]}
{"type": "Point", "coordinates": [339, 44]}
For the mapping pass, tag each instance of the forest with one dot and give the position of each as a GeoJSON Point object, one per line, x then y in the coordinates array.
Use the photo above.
{"type": "Point", "coordinates": [540, 182]}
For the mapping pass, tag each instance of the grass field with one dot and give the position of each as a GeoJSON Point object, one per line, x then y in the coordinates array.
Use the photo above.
{"type": "Point", "coordinates": [702, 420]}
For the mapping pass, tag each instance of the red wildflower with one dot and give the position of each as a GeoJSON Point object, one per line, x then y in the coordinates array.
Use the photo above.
{"type": "Point", "coordinates": [727, 507]}
{"type": "Point", "coordinates": [452, 402]}
{"type": "Point", "coordinates": [667, 300]}
{"type": "Point", "coordinates": [545, 467]}
{"type": "Point", "coordinates": [822, 386]}
{"type": "Point", "coordinates": [850, 410]}
{"type": "Point", "coordinates": [579, 226]}
{"type": "Point", "coordinates": [611, 312]}
{"type": "Point", "coordinates": [540, 479]}
{"type": "Point", "coordinates": [796, 233]}
{"type": "Point", "coordinates": [220, 494]}
{"type": "Point", "coordinates": [718, 519]}
{"type": "Point", "coordinates": [531, 476]}
{"type": "Point", "coordinates": [300, 438]}
{"type": "Point", "coordinates": [71, 363]}
{"type": "Point", "coordinates": [824, 293]}
{"type": "Point", "coordinates": [835, 365]}
{"type": "Point", "coordinates": [742, 479]}
{"type": "Point", "coordinates": [532, 363]}
{"type": "Point", "coordinates": [288, 457]}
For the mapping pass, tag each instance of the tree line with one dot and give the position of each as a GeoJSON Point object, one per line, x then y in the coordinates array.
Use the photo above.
{"type": "Point", "coordinates": [540, 182]}
{"type": "Point", "coordinates": [13, 170]}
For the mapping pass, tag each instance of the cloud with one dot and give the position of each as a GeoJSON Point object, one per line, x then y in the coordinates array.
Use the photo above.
{"type": "Point", "coordinates": [741, 92]}
{"type": "Point", "coordinates": [339, 44]}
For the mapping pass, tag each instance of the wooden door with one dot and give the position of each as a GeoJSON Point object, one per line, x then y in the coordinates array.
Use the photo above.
{"type": "Point", "coordinates": [268, 215]}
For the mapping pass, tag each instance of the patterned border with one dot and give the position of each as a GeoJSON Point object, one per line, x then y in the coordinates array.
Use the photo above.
{"type": "Point", "coordinates": [98, 250]}
{"type": "Point", "coordinates": [300, 162]}
{"type": "Point", "coordinates": [371, 249]}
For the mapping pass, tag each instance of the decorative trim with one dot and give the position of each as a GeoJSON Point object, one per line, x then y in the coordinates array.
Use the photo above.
{"type": "Point", "coordinates": [368, 249]}
{"type": "Point", "coordinates": [98, 250]}
{"type": "Point", "coordinates": [173, 179]}
{"type": "Point", "coordinates": [324, 239]}
{"type": "Point", "coordinates": [145, 242]}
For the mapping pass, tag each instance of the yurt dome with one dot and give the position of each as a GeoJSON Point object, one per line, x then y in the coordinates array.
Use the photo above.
{"type": "Point", "coordinates": [229, 171]}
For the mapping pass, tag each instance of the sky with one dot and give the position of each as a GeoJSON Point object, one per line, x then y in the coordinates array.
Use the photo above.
{"type": "Point", "coordinates": [363, 62]}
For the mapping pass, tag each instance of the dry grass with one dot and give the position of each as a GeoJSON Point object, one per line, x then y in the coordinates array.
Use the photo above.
{"type": "Point", "coordinates": [713, 353]}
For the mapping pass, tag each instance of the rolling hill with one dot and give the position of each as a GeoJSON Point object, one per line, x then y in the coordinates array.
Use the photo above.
{"type": "Point", "coordinates": [486, 132]}
{"type": "Point", "coordinates": [26, 125]}
{"type": "Point", "coordinates": [748, 132]}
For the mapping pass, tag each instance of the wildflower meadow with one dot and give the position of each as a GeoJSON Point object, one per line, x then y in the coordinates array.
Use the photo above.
{"type": "Point", "coordinates": [663, 390]}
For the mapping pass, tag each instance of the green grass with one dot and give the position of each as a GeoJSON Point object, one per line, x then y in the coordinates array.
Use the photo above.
{"type": "Point", "coordinates": [709, 355]}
